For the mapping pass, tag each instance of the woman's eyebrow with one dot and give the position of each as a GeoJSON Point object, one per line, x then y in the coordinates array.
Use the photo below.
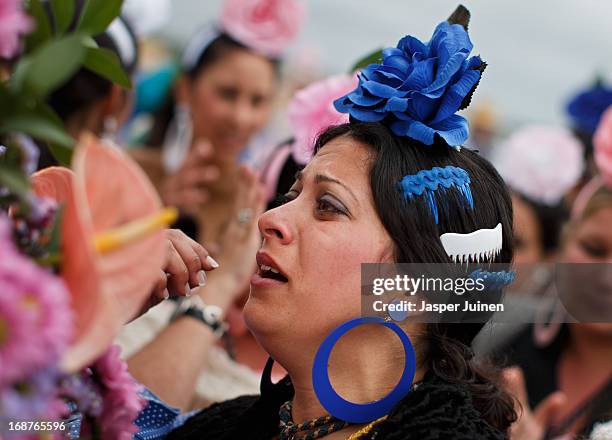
{"type": "Point", "coordinates": [323, 178]}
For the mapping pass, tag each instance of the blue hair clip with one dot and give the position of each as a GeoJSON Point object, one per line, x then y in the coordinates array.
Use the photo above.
{"type": "Point", "coordinates": [426, 182]}
{"type": "Point", "coordinates": [493, 280]}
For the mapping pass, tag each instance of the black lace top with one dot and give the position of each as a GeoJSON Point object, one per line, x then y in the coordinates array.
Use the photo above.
{"type": "Point", "coordinates": [435, 410]}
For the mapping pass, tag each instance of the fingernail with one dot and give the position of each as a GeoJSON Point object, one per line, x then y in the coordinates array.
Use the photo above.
{"type": "Point", "coordinates": [212, 261]}
{"type": "Point", "coordinates": [166, 294]}
{"type": "Point", "coordinates": [202, 278]}
{"type": "Point", "coordinates": [187, 290]}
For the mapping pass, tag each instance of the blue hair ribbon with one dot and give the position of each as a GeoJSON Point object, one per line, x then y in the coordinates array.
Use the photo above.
{"type": "Point", "coordinates": [493, 280]}
{"type": "Point", "coordinates": [426, 182]}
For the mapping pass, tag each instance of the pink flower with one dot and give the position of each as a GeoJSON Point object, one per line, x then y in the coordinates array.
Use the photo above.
{"type": "Point", "coordinates": [6, 241]}
{"type": "Point", "coordinates": [13, 23]}
{"type": "Point", "coordinates": [35, 317]}
{"type": "Point", "coordinates": [32, 399]}
{"type": "Point", "coordinates": [540, 162]}
{"type": "Point", "coordinates": [312, 110]}
{"type": "Point", "coordinates": [120, 394]}
{"type": "Point", "coordinates": [267, 26]}
{"type": "Point", "coordinates": [602, 141]}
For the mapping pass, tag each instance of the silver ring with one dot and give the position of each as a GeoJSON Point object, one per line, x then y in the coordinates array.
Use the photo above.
{"type": "Point", "coordinates": [245, 215]}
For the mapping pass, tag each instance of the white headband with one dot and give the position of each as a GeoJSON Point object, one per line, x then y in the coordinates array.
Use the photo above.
{"type": "Point", "coordinates": [198, 44]}
{"type": "Point", "coordinates": [123, 39]}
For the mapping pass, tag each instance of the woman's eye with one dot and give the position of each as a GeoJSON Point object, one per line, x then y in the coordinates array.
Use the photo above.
{"type": "Point", "coordinates": [227, 93]}
{"type": "Point", "coordinates": [257, 101]}
{"type": "Point", "coordinates": [328, 207]}
{"type": "Point", "coordinates": [594, 250]}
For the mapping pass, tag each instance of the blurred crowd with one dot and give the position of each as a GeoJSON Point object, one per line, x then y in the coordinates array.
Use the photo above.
{"type": "Point", "coordinates": [222, 125]}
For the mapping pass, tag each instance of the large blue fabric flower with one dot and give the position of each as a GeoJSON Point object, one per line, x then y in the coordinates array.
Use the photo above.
{"type": "Point", "coordinates": [419, 87]}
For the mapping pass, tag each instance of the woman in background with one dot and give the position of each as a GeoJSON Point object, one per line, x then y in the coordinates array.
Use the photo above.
{"type": "Point", "coordinates": [565, 370]}
{"type": "Point", "coordinates": [541, 164]}
{"type": "Point", "coordinates": [224, 98]}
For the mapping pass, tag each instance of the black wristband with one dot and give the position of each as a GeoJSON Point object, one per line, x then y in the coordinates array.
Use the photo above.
{"type": "Point", "coordinates": [217, 327]}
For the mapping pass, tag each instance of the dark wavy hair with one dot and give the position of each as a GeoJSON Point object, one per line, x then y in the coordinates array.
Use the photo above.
{"type": "Point", "coordinates": [416, 235]}
{"type": "Point", "coordinates": [218, 48]}
{"type": "Point", "coordinates": [550, 221]}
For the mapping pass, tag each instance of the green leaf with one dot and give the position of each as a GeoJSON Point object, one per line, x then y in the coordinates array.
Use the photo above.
{"type": "Point", "coordinates": [7, 101]}
{"type": "Point", "coordinates": [371, 58]}
{"type": "Point", "coordinates": [63, 11]}
{"type": "Point", "coordinates": [19, 73]}
{"type": "Point", "coordinates": [15, 180]}
{"type": "Point", "coordinates": [98, 15]}
{"type": "Point", "coordinates": [61, 153]}
{"type": "Point", "coordinates": [42, 27]}
{"type": "Point", "coordinates": [50, 65]}
{"type": "Point", "coordinates": [39, 127]}
{"type": "Point", "coordinates": [106, 63]}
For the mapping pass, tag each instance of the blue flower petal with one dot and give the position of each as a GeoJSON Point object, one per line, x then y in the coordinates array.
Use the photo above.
{"type": "Point", "coordinates": [448, 40]}
{"type": "Point", "coordinates": [357, 97]}
{"type": "Point", "coordinates": [422, 75]}
{"type": "Point", "coordinates": [392, 51]}
{"type": "Point", "coordinates": [396, 105]}
{"type": "Point", "coordinates": [404, 116]}
{"type": "Point", "coordinates": [412, 45]}
{"type": "Point", "coordinates": [398, 62]}
{"type": "Point", "coordinates": [454, 130]}
{"type": "Point", "coordinates": [423, 107]}
{"type": "Point", "coordinates": [473, 62]}
{"type": "Point", "coordinates": [415, 130]}
{"type": "Point", "coordinates": [419, 87]}
{"type": "Point", "coordinates": [366, 115]}
{"type": "Point", "coordinates": [389, 74]}
{"type": "Point", "coordinates": [445, 72]}
{"type": "Point", "coordinates": [451, 101]}
{"type": "Point", "coordinates": [381, 90]}
{"type": "Point", "coordinates": [387, 78]}
{"type": "Point", "coordinates": [343, 104]}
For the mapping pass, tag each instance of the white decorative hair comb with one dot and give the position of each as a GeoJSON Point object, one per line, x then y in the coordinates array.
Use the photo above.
{"type": "Point", "coordinates": [479, 246]}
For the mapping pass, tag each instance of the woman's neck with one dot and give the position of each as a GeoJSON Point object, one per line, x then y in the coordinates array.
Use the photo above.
{"type": "Point", "coordinates": [361, 370]}
{"type": "Point", "coordinates": [591, 346]}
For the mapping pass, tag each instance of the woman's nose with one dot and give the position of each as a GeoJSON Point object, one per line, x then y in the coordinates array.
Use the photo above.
{"type": "Point", "coordinates": [243, 115]}
{"type": "Point", "coordinates": [274, 225]}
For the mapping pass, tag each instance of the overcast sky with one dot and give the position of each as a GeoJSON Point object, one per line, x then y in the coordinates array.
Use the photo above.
{"type": "Point", "coordinates": [539, 52]}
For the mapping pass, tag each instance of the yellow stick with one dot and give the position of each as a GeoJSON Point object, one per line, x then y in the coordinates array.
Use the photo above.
{"type": "Point", "coordinates": [113, 239]}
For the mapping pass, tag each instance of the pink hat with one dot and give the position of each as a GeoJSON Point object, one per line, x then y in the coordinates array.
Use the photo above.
{"type": "Point", "coordinates": [540, 162]}
{"type": "Point", "coordinates": [267, 26]}
{"type": "Point", "coordinates": [312, 110]}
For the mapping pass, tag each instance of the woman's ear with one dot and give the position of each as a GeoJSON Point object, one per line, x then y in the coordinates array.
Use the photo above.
{"type": "Point", "coordinates": [116, 105]}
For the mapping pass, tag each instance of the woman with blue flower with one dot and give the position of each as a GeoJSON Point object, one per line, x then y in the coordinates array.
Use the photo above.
{"type": "Point", "coordinates": [390, 186]}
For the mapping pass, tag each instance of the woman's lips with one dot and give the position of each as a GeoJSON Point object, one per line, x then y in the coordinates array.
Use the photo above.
{"type": "Point", "coordinates": [266, 263]}
{"type": "Point", "coordinates": [258, 281]}
{"type": "Point", "coordinates": [266, 278]}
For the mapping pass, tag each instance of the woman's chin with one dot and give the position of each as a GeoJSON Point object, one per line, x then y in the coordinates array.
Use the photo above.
{"type": "Point", "coordinates": [260, 316]}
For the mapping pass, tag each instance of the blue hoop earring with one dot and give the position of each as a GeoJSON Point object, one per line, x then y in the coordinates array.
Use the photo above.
{"type": "Point", "coordinates": [360, 412]}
